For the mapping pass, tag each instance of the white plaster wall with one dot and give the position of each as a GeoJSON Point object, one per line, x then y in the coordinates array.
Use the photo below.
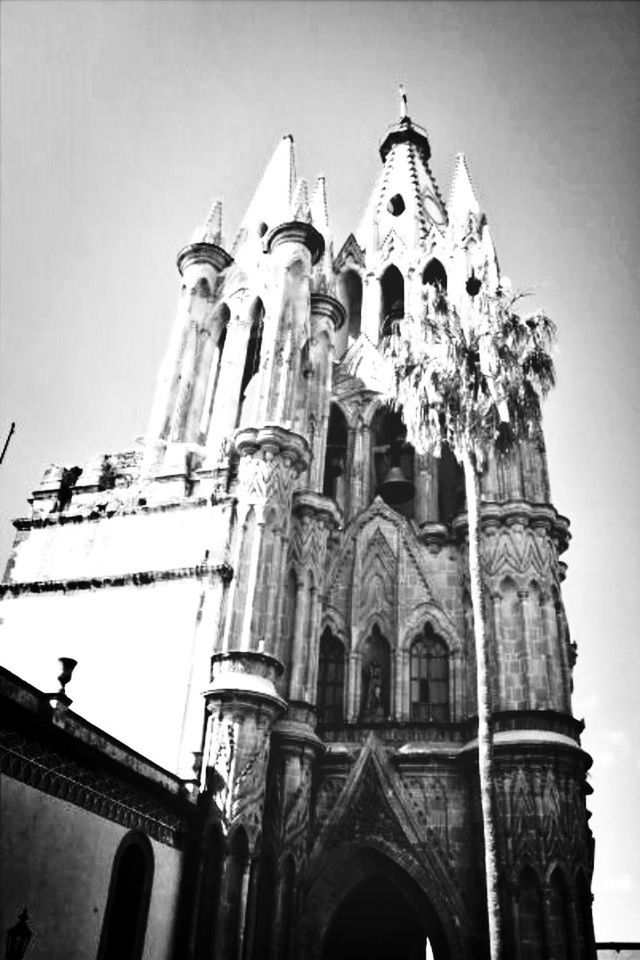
{"type": "Point", "coordinates": [133, 646]}
{"type": "Point", "coordinates": [56, 860]}
{"type": "Point", "coordinates": [123, 544]}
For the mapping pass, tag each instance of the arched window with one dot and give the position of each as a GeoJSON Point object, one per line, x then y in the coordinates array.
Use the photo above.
{"type": "Point", "coordinates": [451, 497]}
{"type": "Point", "coordinates": [390, 452]}
{"type": "Point", "coordinates": [435, 275]}
{"type": "Point", "coordinates": [330, 679]}
{"type": "Point", "coordinates": [429, 677]}
{"type": "Point", "coordinates": [350, 296]}
{"type": "Point", "coordinates": [125, 918]}
{"type": "Point", "coordinates": [249, 383]}
{"type": "Point", "coordinates": [392, 306]}
{"type": "Point", "coordinates": [336, 455]}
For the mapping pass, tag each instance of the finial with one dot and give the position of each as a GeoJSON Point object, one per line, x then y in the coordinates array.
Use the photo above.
{"type": "Point", "coordinates": [403, 102]}
{"type": "Point", "coordinates": [60, 701]}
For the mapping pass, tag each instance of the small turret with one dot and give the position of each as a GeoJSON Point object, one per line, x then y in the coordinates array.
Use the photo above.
{"type": "Point", "coordinates": [184, 391]}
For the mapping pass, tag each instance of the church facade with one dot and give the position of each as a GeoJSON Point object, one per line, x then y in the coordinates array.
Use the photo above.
{"type": "Point", "coordinates": [282, 585]}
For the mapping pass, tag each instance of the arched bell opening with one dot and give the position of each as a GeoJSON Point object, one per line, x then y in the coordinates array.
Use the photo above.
{"type": "Point", "coordinates": [219, 338]}
{"type": "Point", "coordinates": [451, 494]}
{"type": "Point", "coordinates": [391, 300]}
{"type": "Point", "coordinates": [380, 912]}
{"type": "Point", "coordinates": [335, 464]}
{"type": "Point", "coordinates": [350, 296]}
{"type": "Point", "coordinates": [393, 463]}
{"type": "Point", "coordinates": [249, 384]}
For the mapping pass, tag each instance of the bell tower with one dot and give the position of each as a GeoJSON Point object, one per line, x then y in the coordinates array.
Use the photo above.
{"type": "Point", "coordinates": [292, 577]}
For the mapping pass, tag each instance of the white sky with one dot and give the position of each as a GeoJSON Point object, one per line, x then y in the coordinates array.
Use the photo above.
{"type": "Point", "coordinates": [121, 121]}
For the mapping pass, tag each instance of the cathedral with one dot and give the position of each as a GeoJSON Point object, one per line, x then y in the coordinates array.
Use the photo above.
{"type": "Point", "coordinates": [274, 754]}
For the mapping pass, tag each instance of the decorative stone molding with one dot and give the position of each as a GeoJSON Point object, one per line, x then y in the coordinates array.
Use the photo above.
{"type": "Point", "coordinates": [42, 768]}
{"type": "Point", "coordinates": [296, 232]}
{"type": "Point", "coordinates": [324, 305]}
{"type": "Point", "coordinates": [207, 252]}
{"type": "Point", "coordinates": [139, 579]}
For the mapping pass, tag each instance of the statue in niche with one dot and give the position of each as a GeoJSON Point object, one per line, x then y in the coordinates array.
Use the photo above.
{"type": "Point", "coordinates": [374, 709]}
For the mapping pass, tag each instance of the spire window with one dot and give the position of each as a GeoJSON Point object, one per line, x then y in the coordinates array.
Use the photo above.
{"type": "Point", "coordinates": [392, 288]}
{"type": "Point", "coordinates": [335, 463]}
{"type": "Point", "coordinates": [396, 205]}
{"type": "Point", "coordinates": [429, 677]}
{"type": "Point", "coordinates": [350, 296]}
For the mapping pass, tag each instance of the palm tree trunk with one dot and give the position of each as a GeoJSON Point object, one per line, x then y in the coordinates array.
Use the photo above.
{"type": "Point", "coordinates": [485, 741]}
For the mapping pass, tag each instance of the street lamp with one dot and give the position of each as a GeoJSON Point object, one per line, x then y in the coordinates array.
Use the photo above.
{"type": "Point", "coordinates": [18, 938]}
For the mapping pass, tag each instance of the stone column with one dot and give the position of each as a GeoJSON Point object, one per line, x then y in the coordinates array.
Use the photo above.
{"type": "Point", "coordinates": [574, 928]}
{"type": "Point", "coordinates": [271, 459]}
{"type": "Point", "coordinates": [527, 657]}
{"type": "Point", "coordinates": [403, 694]}
{"type": "Point", "coordinates": [547, 923]}
{"type": "Point", "coordinates": [515, 920]}
{"type": "Point", "coordinates": [327, 316]}
{"type": "Point", "coordinates": [206, 634]}
{"type": "Point", "coordinates": [294, 248]}
{"type": "Point", "coordinates": [298, 657]}
{"type": "Point", "coordinates": [353, 686]}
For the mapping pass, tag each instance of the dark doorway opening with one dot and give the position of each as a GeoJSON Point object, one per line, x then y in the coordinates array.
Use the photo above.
{"type": "Point", "coordinates": [376, 922]}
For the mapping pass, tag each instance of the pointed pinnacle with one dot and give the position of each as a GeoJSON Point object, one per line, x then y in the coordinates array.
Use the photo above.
{"type": "Point", "coordinates": [462, 197]}
{"type": "Point", "coordinates": [318, 206]}
{"type": "Point", "coordinates": [271, 202]}
{"type": "Point", "coordinates": [300, 202]}
{"type": "Point", "coordinates": [211, 230]}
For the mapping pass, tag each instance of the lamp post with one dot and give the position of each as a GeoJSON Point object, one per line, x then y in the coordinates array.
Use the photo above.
{"type": "Point", "coordinates": [18, 937]}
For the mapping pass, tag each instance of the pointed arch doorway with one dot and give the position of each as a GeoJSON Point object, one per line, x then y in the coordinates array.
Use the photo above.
{"type": "Point", "coordinates": [375, 922]}
{"type": "Point", "coordinates": [381, 913]}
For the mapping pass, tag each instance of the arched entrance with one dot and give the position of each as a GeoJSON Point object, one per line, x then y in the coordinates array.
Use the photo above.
{"type": "Point", "coordinates": [363, 905]}
{"type": "Point", "coordinates": [375, 922]}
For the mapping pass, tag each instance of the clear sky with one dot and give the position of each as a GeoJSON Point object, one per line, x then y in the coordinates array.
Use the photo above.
{"type": "Point", "coordinates": [121, 121]}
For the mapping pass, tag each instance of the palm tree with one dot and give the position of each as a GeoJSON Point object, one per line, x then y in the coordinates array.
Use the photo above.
{"type": "Point", "coordinates": [474, 384]}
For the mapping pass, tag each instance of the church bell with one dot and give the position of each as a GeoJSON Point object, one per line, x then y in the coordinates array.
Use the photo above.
{"type": "Point", "coordinates": [395, 487]}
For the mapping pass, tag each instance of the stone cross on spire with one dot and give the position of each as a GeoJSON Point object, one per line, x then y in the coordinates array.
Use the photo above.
{"type": "Point", "coordinates": [403, 102]}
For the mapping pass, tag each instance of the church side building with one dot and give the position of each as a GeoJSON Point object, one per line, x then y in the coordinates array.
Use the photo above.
{"type": "Point", "coordinates": [275, 588]}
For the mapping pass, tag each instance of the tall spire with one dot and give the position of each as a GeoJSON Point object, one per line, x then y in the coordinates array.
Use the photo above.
{"type": "Point", "coordinates": [462, 197]}
{"type": "Point", "coordinates": [405, 202]}
{"type": "Point", "coordinates": [271, 202]}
